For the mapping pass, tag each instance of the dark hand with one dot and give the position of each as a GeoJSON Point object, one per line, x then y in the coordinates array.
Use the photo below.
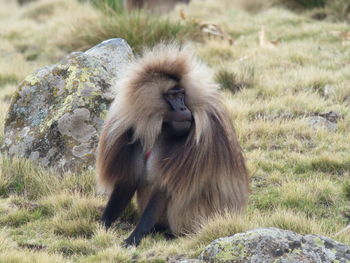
{"type": "Point", "coordinates": [105, 222]}
{"type": "Point", "coordinates": [132, 240]}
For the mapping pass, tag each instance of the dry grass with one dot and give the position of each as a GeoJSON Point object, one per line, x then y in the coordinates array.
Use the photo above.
{"type": "Point", "coordinates": [332, 10]}
{"type": "Point", "coordinates": [300, 175]}
{"type": "Point", "coordinates": [139, 29]}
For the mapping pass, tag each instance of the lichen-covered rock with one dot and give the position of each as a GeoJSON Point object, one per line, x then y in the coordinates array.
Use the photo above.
{"type": "Point", "coordinates": [266, 245]}
{"type": "Point", "coordinates": [326, 121]}
{"type": "Point", "coordinates": [181, 258]}
{"type": "Point", "coordinates": [189, 261]}
{"type": "Point", "coordinates": [57, 113]}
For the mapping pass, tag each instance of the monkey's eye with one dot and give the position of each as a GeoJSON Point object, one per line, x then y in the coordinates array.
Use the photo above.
{"type": "Point", "coordinates": [176, 89]}
{"type": "Point", "coordinates": [175, 92]}
{"type": "Point", "coordinates": [171, 96]}
{"type": "Point", "coordinates": [174, 96]}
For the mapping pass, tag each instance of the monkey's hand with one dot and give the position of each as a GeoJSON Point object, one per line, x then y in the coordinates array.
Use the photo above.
{"type": "Point", "coordinates": [106, 222]}
{"type": "Point", "coordinates": [132, 240]}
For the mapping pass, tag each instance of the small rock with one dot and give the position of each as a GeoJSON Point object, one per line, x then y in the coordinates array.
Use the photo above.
{"type": "Point", "coordinates": [318, 122]}
{"type": "Point", "coordinates": [328, 90]}
{"type": "Point", "coordinates": [332, 116]}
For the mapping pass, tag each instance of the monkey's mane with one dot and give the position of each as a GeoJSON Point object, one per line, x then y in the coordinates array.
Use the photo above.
{"type": "Point", "coordinates": [139, 105]}
{"type": "Point", "coordinates": [211, 152]}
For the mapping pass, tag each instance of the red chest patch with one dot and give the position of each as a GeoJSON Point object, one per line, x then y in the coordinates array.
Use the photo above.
{"type": "Point", "coordinates": [147, 155]}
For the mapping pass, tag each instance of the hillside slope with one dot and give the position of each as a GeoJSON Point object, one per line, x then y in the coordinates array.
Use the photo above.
{"type": "Point", "coordinates": [300, 171]}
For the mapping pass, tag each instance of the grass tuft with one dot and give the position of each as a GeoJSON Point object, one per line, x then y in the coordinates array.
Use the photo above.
{"type": "Point", "coordinates": [18, 218]}
{"type": "Point", "coordinates": [8, 79]}
{"type": "Point", "coordinates": [15, 256]}
{"type": "Point", "coordinates": [102, 238]}
{"type": "Point", "coordinates": [78, 247]}
{"type": "Point", "coordinates": [139, 29]}
{"type": "Point", "coordinates": [107, 5]}
{"type": "Point", "coordinates": [235, 82]}
{"type": "Point", "coordinates": [25, 178]}
{"type": "Point", "coordinates": [112, 254]}
{"type": "Point", "coordinates": [78, 228]}
{"type": "Point", "coordinates": [219, 226]}
{"type": "Point", "coordinates": [6, 243]}
{"type": "Point", "coordinates": [303, 3]}
{"type": "Point", "coordinates": [346, 189]}
{"type": "Point", "coordinates": [289, 220]}
{"type": "Point", "coordinates": [338, 10]}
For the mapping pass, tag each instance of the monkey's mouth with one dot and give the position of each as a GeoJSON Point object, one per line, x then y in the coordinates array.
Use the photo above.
{"type": "Point", "coordinates": [181, 126]}
{"type": "Point", "coordinates": [178, 123]}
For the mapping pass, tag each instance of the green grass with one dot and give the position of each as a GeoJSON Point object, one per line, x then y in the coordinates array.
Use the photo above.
{"type": "Point", "coordinates": [331, 10]}
{"type": "Point", "coordinates": [304, 3]}
{"type": "Point", "coordinates": [336, 10]}
{"type": "Point", "coordinates": [16, 178]}
{"type": "Point", "coordinates": [299, 174]}
{"type": "Point", "coordinates": [346, 189]}
{"type": "Point", "coordinates": [140, 29]}
{"type": "Point", "coordinates": [235, 82]}
{"type": "Point", "coordinates": [107, 5]}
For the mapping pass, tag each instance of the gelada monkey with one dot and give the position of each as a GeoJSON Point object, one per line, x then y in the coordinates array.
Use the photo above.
{"type": "Point", "coordinates": [169, 139]}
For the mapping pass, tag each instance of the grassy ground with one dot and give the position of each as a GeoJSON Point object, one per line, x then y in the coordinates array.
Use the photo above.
{"type": "Point", "coordinates": [300, 175]}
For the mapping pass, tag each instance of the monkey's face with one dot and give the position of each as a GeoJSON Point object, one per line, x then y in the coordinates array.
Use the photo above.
{"type": "Point", "coordinates": [178, 119]}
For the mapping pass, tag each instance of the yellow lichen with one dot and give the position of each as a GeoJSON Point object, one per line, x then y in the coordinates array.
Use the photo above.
{"type": "Point", "coordinates": [32, 79]}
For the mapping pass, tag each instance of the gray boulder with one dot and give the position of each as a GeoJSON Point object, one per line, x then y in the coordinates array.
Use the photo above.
{"type": "Point", "coordinates": [57, 112]}
{"type": "Point", "coordinates": [266, 245]}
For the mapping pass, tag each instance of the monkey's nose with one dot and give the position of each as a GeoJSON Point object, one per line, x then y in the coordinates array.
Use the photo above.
{"type": "Point", "coordinates": [184, 115]}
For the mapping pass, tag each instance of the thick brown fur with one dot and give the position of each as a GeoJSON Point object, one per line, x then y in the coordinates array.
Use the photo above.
{"type": "Point", "coordinates": [203, 175]}
{"type": "Point", "coordinates": [156, 5]}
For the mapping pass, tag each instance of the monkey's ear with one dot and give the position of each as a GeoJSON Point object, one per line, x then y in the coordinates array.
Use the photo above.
{"type": "Point", "coordinates": [116, 158]}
